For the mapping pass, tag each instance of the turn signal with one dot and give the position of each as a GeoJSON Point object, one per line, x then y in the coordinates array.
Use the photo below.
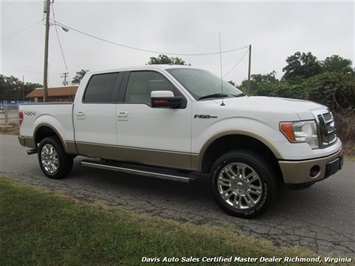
{"type": "Point", "coordinates": [287, 130]}
{"type": "Point", "coordinates": [160, 101]}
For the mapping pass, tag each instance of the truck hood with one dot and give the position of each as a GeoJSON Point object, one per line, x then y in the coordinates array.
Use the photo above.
{"type": "Point", "coordinates": [302, 108]}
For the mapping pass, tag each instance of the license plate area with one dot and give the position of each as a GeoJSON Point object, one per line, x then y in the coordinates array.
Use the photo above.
{"type": "Point", "coordinates": [334, 166]}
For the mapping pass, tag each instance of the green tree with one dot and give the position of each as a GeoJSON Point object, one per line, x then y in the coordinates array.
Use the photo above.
{"type": "Point", "coordinates": [259, 84]}
{"type": "Point", "coordinates": [334, 89]}
{"type": "Point", "coordinates": [336, 63]}
{"type": "Point", "coordinates": [301, 66]}
{"type": "Point", "coordinates": [164, 59]}
{"type": "Point", "coordinates": [12, 89]}
{"type": "Point", "coordinates": [79, 76]}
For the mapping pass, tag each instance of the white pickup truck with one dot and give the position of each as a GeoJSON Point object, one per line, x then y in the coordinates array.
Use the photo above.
{"type": "Point", "coordinates": [181, 123]}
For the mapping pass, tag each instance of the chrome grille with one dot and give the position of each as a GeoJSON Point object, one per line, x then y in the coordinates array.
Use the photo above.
{"type": "Point", "coordinates": [326, 129]}
{"type": "Point", "coordinates": [328, 116]}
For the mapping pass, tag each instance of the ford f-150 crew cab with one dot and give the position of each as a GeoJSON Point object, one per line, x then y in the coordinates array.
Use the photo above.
{"type": "Point", "coordinates": [181, 123]}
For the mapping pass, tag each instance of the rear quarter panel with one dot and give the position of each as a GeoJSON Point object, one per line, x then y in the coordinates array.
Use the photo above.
{"type": "Point", "coordinates": [56, 116]}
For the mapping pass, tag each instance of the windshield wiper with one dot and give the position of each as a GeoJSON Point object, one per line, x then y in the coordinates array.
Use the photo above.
{"type": "Point", "coordinates": [220, 95]}
{"type": "Point", "coordinates": [214, 95]}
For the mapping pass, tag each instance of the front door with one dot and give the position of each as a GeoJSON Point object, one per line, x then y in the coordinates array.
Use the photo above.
{"type": "Point", "coordinates": [155, 136]}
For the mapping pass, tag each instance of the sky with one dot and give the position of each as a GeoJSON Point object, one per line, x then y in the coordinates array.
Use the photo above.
{"type": "Point", "coordinates": [115, 34]}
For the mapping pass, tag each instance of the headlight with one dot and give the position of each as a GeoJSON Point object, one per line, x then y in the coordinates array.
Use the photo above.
{"type": "Point", "coordinates": [302, 131]}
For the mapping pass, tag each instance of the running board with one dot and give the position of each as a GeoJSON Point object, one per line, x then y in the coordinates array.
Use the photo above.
{"type": "Point", "coordinates": [140, 170]}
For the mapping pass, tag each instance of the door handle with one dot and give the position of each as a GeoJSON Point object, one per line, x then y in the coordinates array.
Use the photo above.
{"type": "Point", "coordinates": [80, 115]}
{"type": "Point", "coordinates": [122, 116]}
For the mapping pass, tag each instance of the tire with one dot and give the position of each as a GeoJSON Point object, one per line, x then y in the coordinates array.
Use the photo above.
{"type": "Point", "coordinates": [243, 183]}
{"type": "Point", "coordinates": [53, 160]}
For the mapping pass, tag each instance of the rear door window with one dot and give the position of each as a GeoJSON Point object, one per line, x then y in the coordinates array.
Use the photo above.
{"type": "Point", "coordinates": [101, 88]}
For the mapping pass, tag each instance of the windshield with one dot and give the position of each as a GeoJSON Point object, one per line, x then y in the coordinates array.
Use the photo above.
{"type": "Point", "coordinates": [202, 84]}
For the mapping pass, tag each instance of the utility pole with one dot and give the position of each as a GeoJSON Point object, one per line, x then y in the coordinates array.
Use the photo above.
{"type": "Point", "coordinates": [249, 68]}
{"type": "Point", "coordinates": [46, 42]}
{"type": "Point", "coordinates": [23, 89]}
{"type": "Point", "coordinates": [65, 75]}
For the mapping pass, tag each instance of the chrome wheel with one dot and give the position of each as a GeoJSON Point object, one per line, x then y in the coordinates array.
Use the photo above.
{"type": "Point", "coordinates": [49, 159]}
{"type": "Point", "coordinates": [53, 160]}
{"type": "Point", "coordinates": [239, 186]}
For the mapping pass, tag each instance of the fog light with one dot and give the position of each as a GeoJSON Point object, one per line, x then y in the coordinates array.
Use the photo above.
{"type": "Point", "coordinates": [314, 171]}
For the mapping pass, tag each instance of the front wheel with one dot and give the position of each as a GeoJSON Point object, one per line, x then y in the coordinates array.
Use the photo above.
{"type": "Point", "coordinates": [243, 183]}
{"type": "Point", "coordinates": [53, 160]}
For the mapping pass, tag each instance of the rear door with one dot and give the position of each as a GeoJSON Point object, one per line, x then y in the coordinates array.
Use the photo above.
{"type": "Point", "coordinates": [95, 116]}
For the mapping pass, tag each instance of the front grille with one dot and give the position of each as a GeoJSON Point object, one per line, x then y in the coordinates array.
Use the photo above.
{"type": "Point", "coordinates": [326, 129]}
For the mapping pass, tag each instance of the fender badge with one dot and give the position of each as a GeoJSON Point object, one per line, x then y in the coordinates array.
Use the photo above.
{"type": "Point", "coordinates": [30, 113]}
{"type": "Point", "coordinates": [205, 116]}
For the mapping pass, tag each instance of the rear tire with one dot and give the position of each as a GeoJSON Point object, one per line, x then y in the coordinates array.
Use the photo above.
{"type": "Point", "coordinates": [53, 160]}
{"type": "Point", "coordinates": [243, 183]}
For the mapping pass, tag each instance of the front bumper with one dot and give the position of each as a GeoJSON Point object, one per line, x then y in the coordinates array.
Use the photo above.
{"type": "Point", "coordinates": [306, 171]}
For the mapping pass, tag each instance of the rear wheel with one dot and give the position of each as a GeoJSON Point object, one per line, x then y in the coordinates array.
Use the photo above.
{"type": "Point", "coordinates": [53, 160]}
{"type": "Point", "coordinates": [243, 183]}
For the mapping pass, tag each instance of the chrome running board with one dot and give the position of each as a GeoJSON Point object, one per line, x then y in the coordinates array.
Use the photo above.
{"type": "Point", "coordinates": [174, 175]}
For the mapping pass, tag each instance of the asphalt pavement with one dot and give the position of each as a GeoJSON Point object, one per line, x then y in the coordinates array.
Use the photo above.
{"type": "Point", "coordinates": [320, 218]}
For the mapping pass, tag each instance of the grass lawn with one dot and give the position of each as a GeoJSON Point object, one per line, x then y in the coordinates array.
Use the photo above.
{"type": "Point", "coordinates": [38, 227]}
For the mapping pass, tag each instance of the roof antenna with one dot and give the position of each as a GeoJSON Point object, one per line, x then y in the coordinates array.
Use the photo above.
{"type": "Point", "coordinates": [220, 60]}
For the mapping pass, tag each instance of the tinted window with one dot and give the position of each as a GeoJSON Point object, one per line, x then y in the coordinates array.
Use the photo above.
{"type": "Point", "coordinates": [142, 83]}
{"type": "Point", "coordinates": [101, 88]}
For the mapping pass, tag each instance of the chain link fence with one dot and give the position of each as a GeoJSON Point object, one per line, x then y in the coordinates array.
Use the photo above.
{"type": "Point", "coordinates": [9, 116]}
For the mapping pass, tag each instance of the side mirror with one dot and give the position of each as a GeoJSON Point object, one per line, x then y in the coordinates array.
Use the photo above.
{"type": "Point", "coordinates": [165, 99]}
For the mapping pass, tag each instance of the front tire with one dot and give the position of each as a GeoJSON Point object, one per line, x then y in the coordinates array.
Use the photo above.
{"type": "Point", "coordinates": [243, 183]}
{"type": "Point", "coordinates": [53, 160]}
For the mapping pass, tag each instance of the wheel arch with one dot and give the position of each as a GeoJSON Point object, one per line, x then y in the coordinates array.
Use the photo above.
{"type": "Point", "coordinates": [224, 143]}
{"type": "Point", "coordinates": [45, 130]}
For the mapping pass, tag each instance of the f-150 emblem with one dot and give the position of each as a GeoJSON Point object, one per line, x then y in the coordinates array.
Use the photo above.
{"type": "Point", "coordinates": [205, 116]}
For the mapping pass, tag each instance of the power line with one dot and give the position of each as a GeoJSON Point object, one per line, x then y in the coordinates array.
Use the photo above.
{"type": "Point", "coordinates": [236, 64]}
{"type": "Point", "coordinates": [61, 49]}
{"type": "Point", "coordinates": [27, 71]}
{"type": "Point", "coordinates": [60, 44]}
{"type": "Point", "coordinates": [146, 50]}
{"type": "Point", "coordinates": [9, 4]}
{"type": "Point", "coordinates": [21, 30]}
